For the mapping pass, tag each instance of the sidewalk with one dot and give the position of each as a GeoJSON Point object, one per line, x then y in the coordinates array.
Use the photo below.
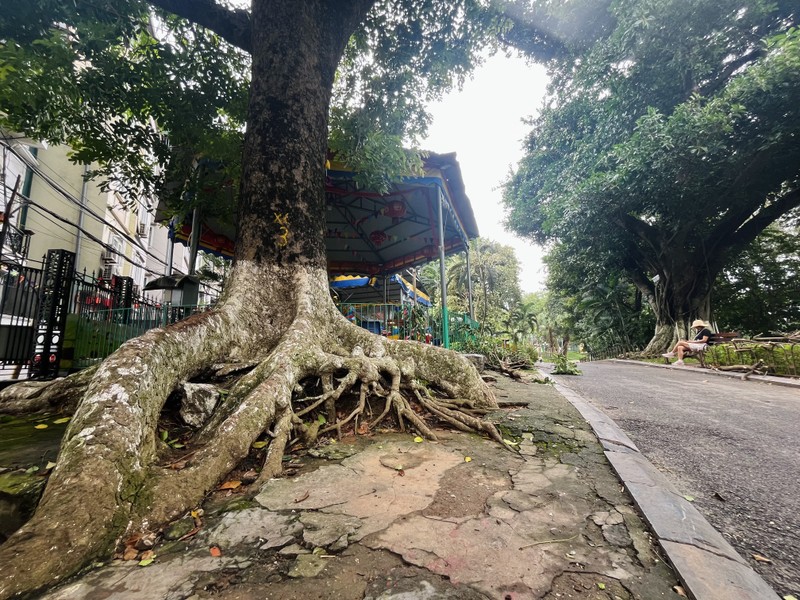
{"type": "Point", "coordinates": [386, 517]}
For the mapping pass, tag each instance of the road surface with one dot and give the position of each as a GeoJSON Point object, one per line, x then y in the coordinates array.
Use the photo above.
{"type": "Point", "coordinates": [729, 444]}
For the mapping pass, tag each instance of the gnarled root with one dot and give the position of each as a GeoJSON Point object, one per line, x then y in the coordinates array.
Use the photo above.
{"type": "Point", "coordinates": [114, 474]}
{"type": "Point", "coordinates": [61, 395]}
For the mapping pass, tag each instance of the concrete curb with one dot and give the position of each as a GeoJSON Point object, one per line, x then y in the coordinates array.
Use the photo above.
{"type": "Point", "coordinates": [707, 565]}
{"type": "Point", "coordinates": [768, 379]}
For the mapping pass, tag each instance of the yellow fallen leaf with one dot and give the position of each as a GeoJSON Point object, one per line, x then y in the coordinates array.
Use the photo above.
{"type": "Point", "coordinates": [40, 426]}
{"type": "Point", "coordinates": [49, 466]}
{"type": "Point", "coordinates": [61, 420]}
{"type": "Point", "coordinates": [258, 445]}
{"type": "Point", "coordinates": [146, 561]}
{"type": "Point", "coordinates": [760, 558]}
{"type": "Point", "coordinates": [601, 586]}
{"type": "Point", "coordinates": [467, 459]}
{"type": "Point", "coordinates": [680, 591]}
{"type": "Point", "coordinates": [789, 597]}
{"type": "Point", "coordinates": [689, 498]}
{"type": "Point", "coordinates": [418, 440]}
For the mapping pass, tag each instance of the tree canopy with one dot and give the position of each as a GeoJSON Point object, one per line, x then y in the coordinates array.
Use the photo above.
{"type": "Point", "coordinates": [666, 147]}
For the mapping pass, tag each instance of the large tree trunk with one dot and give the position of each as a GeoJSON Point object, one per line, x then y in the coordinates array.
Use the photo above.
{"type": "Point", "coordinates": [676, 302]}
{"type": "Point", "coordinates": [111, 477]}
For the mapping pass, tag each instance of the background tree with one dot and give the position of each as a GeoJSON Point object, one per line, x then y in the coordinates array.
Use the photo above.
{"type": "Point", "coordinates": [666, 148]}
{"type": "Point", "coordinates": [275, 334]}
{"type": "Point", "coordinates": [760, 292]}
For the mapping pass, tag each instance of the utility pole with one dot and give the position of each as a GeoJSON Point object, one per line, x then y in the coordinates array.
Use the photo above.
{"type": "Point", "coordinates": [7, 217]}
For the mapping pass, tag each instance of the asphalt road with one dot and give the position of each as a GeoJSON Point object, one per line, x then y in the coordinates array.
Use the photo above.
{"type": "Point", "coordinates": [732, 445]}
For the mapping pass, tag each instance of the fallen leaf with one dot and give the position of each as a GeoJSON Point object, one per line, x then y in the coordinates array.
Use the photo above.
{"type": "Point", "coordinates": [689, 498]}
{"type": "Point", "coordinates": [467, 459]}
{"type": "Point", "coordinates": [321, 419]}
{"type": "Point", "coordinates": [230, 485]}
{"type": "Point", "coordinates": [215, 551]}
{"type": "Point", "coordinates": [601, 586]}
{"type": "Point", "coordinates": [40, 426]}
{"type": "Point", "coordinates": [148, 555]}
{"type": "Point", "coordinates": [417, 439]}
{"type": "Point", "coordinates": [401, 473]}
{"type": "Point", "coordinates": [145, 562]}
{"type": "Point", "coordinates": [130, 553]}
{"type": "Point", "coordinates": [61, 420]}
{"type": "Point", "coordinates": [789, 597]}
{"type": "Point", "coordinates": [249, 476]}
{"type": "Point", "coordinates": [303, 497]}
{"type": "Point", "coordinates": [259, 445]}
{"type": "Point", "coordinates": [761, 558]}
{"type": "Point", "coordinates": [680, 591]}
{"type": "Point", "coordinates": [510, 443]}
{"type": "Point", "coordinates": [49, 466]}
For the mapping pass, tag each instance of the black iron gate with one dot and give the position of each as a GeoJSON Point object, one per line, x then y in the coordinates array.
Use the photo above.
{"type": "Point", "coordinates": [19, 310]}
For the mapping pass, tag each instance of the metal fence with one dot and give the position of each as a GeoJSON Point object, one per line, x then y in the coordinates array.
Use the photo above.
{"type": "Point", "coordinates": [19, 308]}
{"type": "Point", "coordinates": [96, 333]}
{"type": "Point", "coordinates": [101, 314]}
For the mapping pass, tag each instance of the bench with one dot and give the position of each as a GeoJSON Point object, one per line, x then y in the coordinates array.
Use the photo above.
{"type": "Point", "coordinates": [722, 337]}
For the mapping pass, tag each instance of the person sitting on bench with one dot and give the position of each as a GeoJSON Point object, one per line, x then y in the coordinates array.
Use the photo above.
{"type": "Point", "coordinates": [698, 344]}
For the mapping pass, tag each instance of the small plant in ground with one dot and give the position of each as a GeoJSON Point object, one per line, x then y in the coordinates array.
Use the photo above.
{"type": "Point", "coordinates": [564, 366]}
{"type": "Point", "coordinates": [497, 353]}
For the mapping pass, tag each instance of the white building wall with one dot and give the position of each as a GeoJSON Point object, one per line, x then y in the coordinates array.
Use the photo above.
{"type": "Point", "coordinates": [109, 236]}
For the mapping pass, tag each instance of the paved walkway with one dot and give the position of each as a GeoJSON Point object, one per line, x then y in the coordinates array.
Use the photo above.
{"type": "Point", "coordinates": [387, 517]}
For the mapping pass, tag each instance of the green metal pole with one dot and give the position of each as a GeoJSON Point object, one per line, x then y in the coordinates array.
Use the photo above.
{"type": "Point", "coordinates": [442, 275]}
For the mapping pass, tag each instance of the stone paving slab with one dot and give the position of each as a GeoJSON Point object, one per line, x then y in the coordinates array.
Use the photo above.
{"type": "Point", "coordinates": [398, 520]}
{"type": "Point", "coordinates": [713, 577]}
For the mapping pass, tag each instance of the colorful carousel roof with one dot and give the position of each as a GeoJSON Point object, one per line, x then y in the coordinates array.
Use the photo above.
{"type": "Point", "coordinates": [379, 234]}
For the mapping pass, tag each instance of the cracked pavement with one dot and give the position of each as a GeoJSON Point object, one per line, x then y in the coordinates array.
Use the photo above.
{"type": "Point", "coordinates": [395, 519]}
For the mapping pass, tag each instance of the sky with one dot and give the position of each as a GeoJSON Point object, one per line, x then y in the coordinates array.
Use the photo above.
{"type": "Point", "coordinates": [482, 124]}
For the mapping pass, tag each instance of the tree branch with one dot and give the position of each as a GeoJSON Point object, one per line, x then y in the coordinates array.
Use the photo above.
{"type": "Point", "coordinates": [231, 25]}
{"type": "Point", "coordinates": [740, 237]}
{"type": "Point", "coordinates": [748, 232]}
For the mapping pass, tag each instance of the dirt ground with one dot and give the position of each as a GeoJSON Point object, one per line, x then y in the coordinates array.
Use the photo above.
{"type": "Point", "coordinates": [388, 517]}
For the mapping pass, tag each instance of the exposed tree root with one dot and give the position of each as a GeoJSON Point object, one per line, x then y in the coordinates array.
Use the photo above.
{"type": "Point", "coordinates": [61, 395]}
{"type": "Point", "coordinates": [315, 374]}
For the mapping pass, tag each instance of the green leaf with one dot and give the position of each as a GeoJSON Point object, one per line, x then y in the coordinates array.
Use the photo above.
{"type": "Point", "coordinates": [321, 420]}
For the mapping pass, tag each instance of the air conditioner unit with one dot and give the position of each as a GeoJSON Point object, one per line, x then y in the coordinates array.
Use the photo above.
{"type": "Point", "coordinates": [108, 272]}
{"type": "Point", "coordinates": [141, 230]}
{"type": "Point", "coordinates": [108, 257]}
